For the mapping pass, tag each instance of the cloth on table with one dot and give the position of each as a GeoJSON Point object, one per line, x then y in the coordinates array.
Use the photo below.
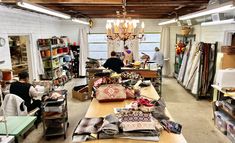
{"type": "Point", "coordinates": [89, 125]}
{"type": "Point", "coordinates": [136, 121]}
{"type": "Point", "coordinates": [135, 116]}
{"type": "Point", "coordinates": [159, 109]}
{"type": "Point", "coordinates": [110, 125]}
{"type": "Point", "coordinates": [137, 126]}
{"type": "Point", "coordinates": [171, 126]}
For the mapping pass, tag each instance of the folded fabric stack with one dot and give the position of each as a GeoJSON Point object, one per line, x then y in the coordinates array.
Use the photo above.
{"type": "Point", "coordinates": [109, 128]}
{"type": "Point", "coordinates": [86, 127]}
{"type": "Point", "coordinates": [143, 120]}
{"type": "Point", "coordinates": [138, 125]}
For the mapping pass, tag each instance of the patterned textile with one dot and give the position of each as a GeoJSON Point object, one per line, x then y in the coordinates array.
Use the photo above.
{"type": "Point", "coordinates": [135, 126]}
{"type": "Point", "coordinates": [171, 126]}
{"type": "Point", "coordinates": [136, 116]}
{"type": "Point", "coordinates": [111, 92]}
{"type": "Point", "coordinates": [89, 125]}
{"type": "Point", "coordinates": [105, 80]}
{"type": "Point", "coordinates": [130, 93]}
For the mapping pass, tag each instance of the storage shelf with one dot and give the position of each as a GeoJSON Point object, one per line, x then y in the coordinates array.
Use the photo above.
{"type": "Point", "coordinates": [223, 91]}
{"type": "Point", "coordinates": [55, 131]}
{"type": "Point", "coordinates": [60, 118]}
{"type": "Point", "coordinates": [53, 57]}
{"type": "Point", "coordinates": [224, 110]}
{"type": "Point", "coordinates": [53, 68]}
{"type": "Point", "coordinates": [56, 116]}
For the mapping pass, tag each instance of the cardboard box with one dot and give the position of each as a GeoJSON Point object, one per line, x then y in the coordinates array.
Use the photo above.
{"type": "Point", "coordinates": [228, 61]}
{"type": "Point", "coordinates": [225, 78]}
{"type": "Point", "coordinates": [81, 94]}
{"type": "Point", "coordinates": [91, 84]}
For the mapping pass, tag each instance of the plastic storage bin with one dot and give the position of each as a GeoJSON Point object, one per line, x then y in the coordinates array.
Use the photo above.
{"type": "Point", "coordinates": [54, 52]}
{"type": "Point", "coordinates": [60, 50]}
{"type": "Point", "coordinates": [221, 121]}
{"type": "Point", "coordinates": [231, 131]}
{"type": "Point", "coordinates": [55, 63]}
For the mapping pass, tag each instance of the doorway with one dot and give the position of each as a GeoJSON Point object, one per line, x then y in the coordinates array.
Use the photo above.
{"type": "Point", "coordinates": [19, 47]}
{"type": "Point", "coordinates": [233, 40]}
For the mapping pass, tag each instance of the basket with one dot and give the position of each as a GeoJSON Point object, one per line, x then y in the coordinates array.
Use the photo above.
{"type": "Point", "coordinates": [185, 31]}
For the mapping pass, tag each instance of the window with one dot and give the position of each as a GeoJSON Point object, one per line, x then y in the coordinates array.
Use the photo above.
{"type": "Point", "coordinates": [148, 44]}
{"type": "Point", "coordinates": [97, 46]}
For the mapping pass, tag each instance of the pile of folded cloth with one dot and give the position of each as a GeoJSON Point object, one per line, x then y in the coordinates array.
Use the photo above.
{"type": "Point", "coordinates": [143, 120]}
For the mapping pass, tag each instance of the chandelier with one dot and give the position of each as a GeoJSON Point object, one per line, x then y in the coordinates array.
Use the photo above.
{"type": "Point", "coordinates": [124, 28]}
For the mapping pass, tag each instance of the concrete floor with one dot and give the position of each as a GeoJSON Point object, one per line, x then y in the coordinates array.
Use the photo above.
{"type": "Point", "coordinates": [195, 116]}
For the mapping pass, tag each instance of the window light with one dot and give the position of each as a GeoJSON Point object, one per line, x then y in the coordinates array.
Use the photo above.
{"type": "Point", "coordinates": [220, 8]}
{"type": "Point", "coordinates": [42, 9]}
{"type": "Point", "coordinates": [228, 21]}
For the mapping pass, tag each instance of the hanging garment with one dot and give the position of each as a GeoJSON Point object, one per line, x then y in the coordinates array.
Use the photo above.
{"type": "Point", "coordinates": [40, 66]}
{"type": "Point", "coordinates": [208, 68]}
{"type": "Point", "coordinates": [192, 55]}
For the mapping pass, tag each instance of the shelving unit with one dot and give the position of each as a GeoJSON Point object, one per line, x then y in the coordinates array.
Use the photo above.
{"type": "Point", "coordinates": [53, 51]}
{"type": "Point", "coordinates": [219, 95]}
{"type": "Point", "coordinates": [18, 50]}
{"type": "Point", "coordinates": [75, 63]}
{"type": "Point", "coordinates": [179, 58]}
{"type": "Point", "coordinates": [55, 112]}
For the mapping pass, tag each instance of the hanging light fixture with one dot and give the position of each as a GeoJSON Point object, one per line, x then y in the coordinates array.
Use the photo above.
{"type": "Point", "coordinates": [124, 28]}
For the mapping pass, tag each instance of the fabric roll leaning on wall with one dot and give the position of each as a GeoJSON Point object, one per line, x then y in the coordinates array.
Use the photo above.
{"type": "Point", "coordinates": [83, 51]}
{"type": "Point", "coordinates": [165, 50]}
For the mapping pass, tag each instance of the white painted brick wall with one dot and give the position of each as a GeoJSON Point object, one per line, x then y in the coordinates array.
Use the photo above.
{"type": "Point", "coordinates": [20, 22]}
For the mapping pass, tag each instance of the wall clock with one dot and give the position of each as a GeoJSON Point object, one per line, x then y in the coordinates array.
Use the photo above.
{"type": "Point", "coordinates": [2, 42]}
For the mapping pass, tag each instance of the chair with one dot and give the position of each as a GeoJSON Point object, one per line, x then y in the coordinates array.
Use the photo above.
{"type": "Point", "coordinates": [13, 105]}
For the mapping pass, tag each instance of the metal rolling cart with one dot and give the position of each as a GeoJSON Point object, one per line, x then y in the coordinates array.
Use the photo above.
{"type": "Point", "coordinates": [55, 117]}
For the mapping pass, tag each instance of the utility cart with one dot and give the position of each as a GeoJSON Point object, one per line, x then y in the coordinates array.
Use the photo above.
{"type": "Point", "coordinates": [55, 116]}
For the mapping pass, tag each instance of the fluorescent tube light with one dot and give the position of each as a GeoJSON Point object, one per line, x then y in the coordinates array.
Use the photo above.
{"type": "Point", "coordinates": [228, 21]}
{"type": "Point", "coordinates": [221, 8]}
{"type": "Point", "coordinates": [80, 21]}
{"type": "Point", "coordinates": [42, 9]}
{"type": "Point", "coordinates": [167, 22]}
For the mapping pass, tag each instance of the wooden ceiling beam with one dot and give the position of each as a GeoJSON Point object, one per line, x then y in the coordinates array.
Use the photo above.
{"type": "Point", "coordinates": [111, 8]}
{"type": "Point", "coordinates": [70, 1]}
{"type": "Point", "coordinates": [129, 5]}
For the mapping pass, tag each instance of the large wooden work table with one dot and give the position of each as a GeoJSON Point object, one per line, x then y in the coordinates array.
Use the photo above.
{"type": "Point", "coordinates": [146, 73]}
{"type": "Point", "coordinates": [97, 109]}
